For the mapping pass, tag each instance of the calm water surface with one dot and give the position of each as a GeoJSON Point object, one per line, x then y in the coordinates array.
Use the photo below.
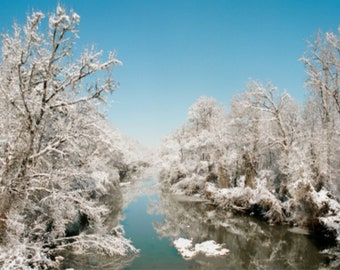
{"type": "Point", "coordinates": [155, 252]}
{"type": "Point", "coordinates": [153, 220]}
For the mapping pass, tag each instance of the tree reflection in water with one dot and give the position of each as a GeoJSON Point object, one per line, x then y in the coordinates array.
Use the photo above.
{"type": "Point", "coordinates": [253, 244]}
{"type": "Point", "coordinates": [97, 262]}
{"type": "Point", "coordinates": [94, 261]}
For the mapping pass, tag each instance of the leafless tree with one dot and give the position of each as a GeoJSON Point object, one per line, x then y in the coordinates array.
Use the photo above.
{"type": "Point", "coordinates": [56, 149]}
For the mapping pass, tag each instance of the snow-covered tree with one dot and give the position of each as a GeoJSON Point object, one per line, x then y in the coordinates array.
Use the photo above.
{"type": "Point", "coordinates": [268, 122]}
{"type": "Point", "coordinates": [199, 146]}
{"type": "Point", "coordinates": [244, 133]}
{"type": "Point", "coordinates": [58, 156]}
{"type": "Point", "coordinates": [322, 65]}
{"type": "Point", "coordinates": [206, 119]}
{"type": "Point", "coordinates": [204, 113]}
{"type": "Point", "coordinates": [259, 159]}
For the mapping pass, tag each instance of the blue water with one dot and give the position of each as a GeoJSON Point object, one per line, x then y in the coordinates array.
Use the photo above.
{"type": "Point", "coordinates": [155, 252]}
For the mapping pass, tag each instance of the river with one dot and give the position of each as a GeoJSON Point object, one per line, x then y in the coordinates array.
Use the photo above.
{"type": "Point", "coordinates": [152, 220]}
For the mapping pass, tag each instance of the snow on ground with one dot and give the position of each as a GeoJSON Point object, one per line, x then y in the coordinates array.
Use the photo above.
{"type": "Point", "coordinates": [298, 230]}
{"type": "Point", "coordinates": [185, 198]}
{"type": "Point", "coordinates": [185, 248]}
{"type": "Point", "coordinates": [209, 248]}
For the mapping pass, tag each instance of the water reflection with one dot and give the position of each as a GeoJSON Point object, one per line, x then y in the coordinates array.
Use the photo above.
{"type": "Point", "coordinates": [153, 219]}
{"type": "Point", "coordinates": [93, 261]}
{"type": "Point", "coordinates": [155, 252]}
{"type": "Point", "coordinates": [253, 244]}
{"type": "Point", "coordinates": [96, 261]}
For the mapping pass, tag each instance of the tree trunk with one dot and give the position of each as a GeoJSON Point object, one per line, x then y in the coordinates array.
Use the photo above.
{"type": "Point", "coordinates": [7, 199]}
{"type": "Point", "coordinates": [16, 182]}
{"type": "Point", "coordinates": [223, 177]}
{"type": "Point", "coordinates": [250, 170]}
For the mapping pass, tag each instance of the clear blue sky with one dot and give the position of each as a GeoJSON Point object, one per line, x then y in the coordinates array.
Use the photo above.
{"type": "Point", "coordinates": [178, 50]}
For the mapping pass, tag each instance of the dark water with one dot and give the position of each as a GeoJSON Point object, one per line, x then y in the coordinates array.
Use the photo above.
{"type": "Point", "coordinates": [153, 221]}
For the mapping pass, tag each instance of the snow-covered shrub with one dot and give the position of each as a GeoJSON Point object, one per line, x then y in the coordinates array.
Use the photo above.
{"type": "Point", "coordinates": [315, 210]}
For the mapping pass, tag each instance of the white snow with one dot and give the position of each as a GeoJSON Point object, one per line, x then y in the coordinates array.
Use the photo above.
{"type": "Point", "coordinates": [185, 198]}
{"type": "Point", "coordinates": [185, 248]}
{"type": "Point", "coordinates": [209, 248]}
{"type": "Point", "coordinates": [124, 184]}
{"type": "Point", "coordinates": [298, 230]}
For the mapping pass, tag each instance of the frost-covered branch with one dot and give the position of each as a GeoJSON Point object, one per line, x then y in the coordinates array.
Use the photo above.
{"type": "Point", "coordinates": [61, 162]}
